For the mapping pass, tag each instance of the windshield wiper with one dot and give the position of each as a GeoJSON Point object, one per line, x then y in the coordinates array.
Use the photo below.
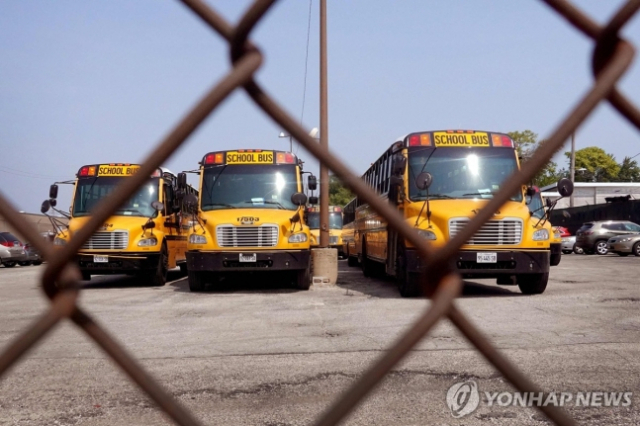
{"type": "Point", "coordinates": [439, 196]}
{"type": "Point", "coordinates": [280, 206]}
{"type": "Point", "coordinates": [220, 204]}
{"type": "Point", "coordinates": [255, 203]}
{"type": "Point", "coordinates": [478, 193]}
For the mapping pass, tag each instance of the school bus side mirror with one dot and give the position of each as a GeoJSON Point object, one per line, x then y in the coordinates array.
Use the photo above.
{"type": "Point", "coordinates": [548, 202]}
{"type": "Point", "coordinates": [299, 199]}
{"type": "Point", "coordinates": [565, 187]}
{"type": "Point", "coordinates": [424, 180]}
{"type": "Point", "coordinates": [313, 200]}
{"type": "Point", "coordinates": [46, 205]}
{"type": "Point", "coordinates": [531, 191]}
{"type": "Point", "coordinates": [53, 191]}
{"type": "Point", "coordinates": [182, 180]}
{"type": "Point", "coordinates": [157, 205]}
{"type": "Point", "coordinates": [312, 183]}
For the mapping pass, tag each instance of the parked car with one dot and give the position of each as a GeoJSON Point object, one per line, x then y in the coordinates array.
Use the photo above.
{"type": "Point", "coordinates": [11, 250]}
{"type": "Point", "coordinates": [33, 256]}
{"type": "Point", "coordinates": [594, 236]}
{"type": "Point", "coordinates": [624, 245]}
{"type": "Point", "coordinates": [564, 232]}
{"type": "Point", "coordinates": [569, 245]}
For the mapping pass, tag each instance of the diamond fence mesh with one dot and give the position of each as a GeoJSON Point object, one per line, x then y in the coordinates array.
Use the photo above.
{"type": "Point", "coordinates": [612, 57]}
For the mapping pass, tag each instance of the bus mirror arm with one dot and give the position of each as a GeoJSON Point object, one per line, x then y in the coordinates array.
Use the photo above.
{"type": "Point", "coordinates": [423, 182]}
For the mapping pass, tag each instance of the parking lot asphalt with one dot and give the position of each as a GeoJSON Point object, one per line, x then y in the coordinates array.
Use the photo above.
{"type": "Point", "coordinates": [258, 353]}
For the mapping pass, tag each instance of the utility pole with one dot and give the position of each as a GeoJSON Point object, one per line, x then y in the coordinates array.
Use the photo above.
{"type": "Point", "coordinates": [324, 129]}
{"type": "Point", "coordinates": [572, 166]}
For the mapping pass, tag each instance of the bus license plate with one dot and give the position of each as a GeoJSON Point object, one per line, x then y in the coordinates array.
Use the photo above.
{"type": "Point", "coordinates": [100, 259]}
{"type": "Point", "coordinates": [487, 258]}
{"type": "Point", "coordinates": [248, 257]}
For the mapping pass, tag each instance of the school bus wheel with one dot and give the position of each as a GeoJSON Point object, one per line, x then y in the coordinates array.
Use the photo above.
{"type": "Point", "coordinates": [408, 283]}
{"type": "Point", "coordinates": [196, 280]}
{"type": "Point", "coordinates": [159, 277]}
{"type": "Point", "coordinates": [303, 279]}
{"type": "Point", "coordinates": [533, 283]}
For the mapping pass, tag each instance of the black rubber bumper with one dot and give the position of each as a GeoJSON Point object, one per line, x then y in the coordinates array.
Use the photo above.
{"type": "Point", "coordinates": [265, 260]}
{"type": "Point", "coordinates": [508, 263]}
{"type": "Point", "coordinates": [119, 263]}
{"type": "Point", "coordinates": [556, 248]}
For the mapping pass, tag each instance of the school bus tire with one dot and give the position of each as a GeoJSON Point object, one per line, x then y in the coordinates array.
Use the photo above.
{"type": "Point", "coordinates": [365, 262]}
{"type": "Point", "coordinates": [159, 277]}
{"type": "Point", "coordinates": [303, 279]}
{"type": "Point", "coordinates": [196, 280]}
{"type": "Point", "coordinates": [408, 283]}
{"type": "Point", "coordinates": [533, 283]}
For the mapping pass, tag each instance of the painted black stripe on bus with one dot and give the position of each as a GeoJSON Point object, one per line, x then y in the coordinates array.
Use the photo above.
{"type": "Point", "coordinates": [175, 237]}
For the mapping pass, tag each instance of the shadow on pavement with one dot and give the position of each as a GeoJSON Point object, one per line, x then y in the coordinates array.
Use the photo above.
{"type": "Point", "coordinates": [385, 286]}
{"type": "Point", "coordinates": [123, 281]}
{"type": "Point", "coordinates": [245, 282]}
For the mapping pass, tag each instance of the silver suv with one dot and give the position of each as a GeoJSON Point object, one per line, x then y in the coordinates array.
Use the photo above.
{"type": "Point", "coordinates": [592, 236]}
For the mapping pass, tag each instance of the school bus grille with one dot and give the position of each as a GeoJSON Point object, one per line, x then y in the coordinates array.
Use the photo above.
{"type": "Point", "coordinates": [493, 232]}
{"type": "Point", "coordinates": [247, 236]}
{"type": "Point", "coordinates": [116, 240]}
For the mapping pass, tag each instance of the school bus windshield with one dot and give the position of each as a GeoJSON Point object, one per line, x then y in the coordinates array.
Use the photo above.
{"type": "Point", "coordinates": [335, 220]}
{"type": "Point", "coordinates": [89, 191]}
{"type": "Point", "coordinates": [460, 173]}
{"type": "Point", "coordinates": [249, 187]}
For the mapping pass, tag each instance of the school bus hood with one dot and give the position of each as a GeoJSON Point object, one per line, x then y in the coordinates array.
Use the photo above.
{"type": "Point", "coordinates": [111, 224]}
{"type": "Point", "coordinates": [250, 217]}
{"type": "Point", "coordinates": [444, 210]}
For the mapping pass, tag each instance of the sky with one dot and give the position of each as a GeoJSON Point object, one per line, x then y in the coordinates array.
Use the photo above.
{"type": "Point", "coordinates": [87, 82]}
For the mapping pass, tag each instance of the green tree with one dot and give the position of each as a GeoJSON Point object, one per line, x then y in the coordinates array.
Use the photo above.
{"type": "Point", "coordinates": [629, 171]}
{"type": "Point", "coordinates": [526, 145]}
{"type": "Point", "coordinates": [598, 165]}
{"type": "Point", "coordinates": [339, 194]}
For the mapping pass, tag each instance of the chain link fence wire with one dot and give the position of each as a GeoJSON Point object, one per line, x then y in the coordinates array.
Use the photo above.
{"type": "Point", "coordinates": [612, 57]}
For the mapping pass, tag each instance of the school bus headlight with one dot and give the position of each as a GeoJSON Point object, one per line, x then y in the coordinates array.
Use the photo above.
{"type": "Point", "coordinates": [197, 239]}
{"type": "Point", "coordinates": [556, 235]}
{"type": "Point", "coordinates": [298, 238]}
{"type": "Point", "coordinates": [427, 235]}
{"type": "Point", "coordinates": [59, 241]}
{"type": "Point", "coordinates": [541, 235]}
{"type": "Point", "coordinates": [148, 242]}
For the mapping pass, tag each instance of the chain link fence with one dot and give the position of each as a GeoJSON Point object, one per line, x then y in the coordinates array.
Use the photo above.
{"type": "Point", "coordinates": [611, 59]}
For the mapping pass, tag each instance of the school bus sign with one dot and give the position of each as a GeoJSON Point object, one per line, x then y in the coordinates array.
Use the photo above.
{"type": "Point", "coordinates": [476, 139]}
{"type": "Point", "coordinates": [112, 170]}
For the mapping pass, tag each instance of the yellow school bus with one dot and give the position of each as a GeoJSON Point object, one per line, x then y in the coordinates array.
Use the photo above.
{"type": "Point", "coordinates": [144, 237]}
{"type": "Point", "coordinates": [335, 227]}
{"type": "Point", "coordinates": [250, 217]}
{"type": "Point", "coordinates": [439, 180]}
{"type": "Point", "coordinates": [349, 233]}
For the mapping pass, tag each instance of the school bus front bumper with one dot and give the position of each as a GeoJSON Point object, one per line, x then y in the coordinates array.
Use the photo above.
{"type": "Point", "coordinates": [489, 264]}
{"type": "Point", "coordinates": [117, 263]}
{"type": "Point", "coordinates": [248, 260]}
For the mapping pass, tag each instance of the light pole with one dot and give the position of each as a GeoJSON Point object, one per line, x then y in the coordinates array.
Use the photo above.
{"type": "Point", "coordinates": [324, 129]}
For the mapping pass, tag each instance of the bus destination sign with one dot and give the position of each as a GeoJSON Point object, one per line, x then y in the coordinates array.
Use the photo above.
{"type": "Point", "coordinates": [476, 139]}
{"type": "Point", "coordinates": [263, 157]}
{"type": "Point", "coordinates": [113, 170]}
